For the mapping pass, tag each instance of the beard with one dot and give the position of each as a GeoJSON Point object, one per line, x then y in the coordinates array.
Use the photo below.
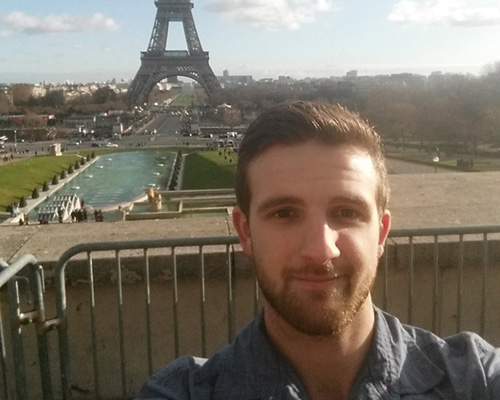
{"type": "Point", "coordinates": [318, 312]}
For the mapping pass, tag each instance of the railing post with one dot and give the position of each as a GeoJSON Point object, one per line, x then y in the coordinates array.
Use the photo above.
{"type": "Point", "coordinates": [16, 337]}
{"type": "Point", "coordinates": [3, 349]}
{"type": "Point", "coordinates": [36, 282]}
{"type": "Point", "coordinates": [64, 357]}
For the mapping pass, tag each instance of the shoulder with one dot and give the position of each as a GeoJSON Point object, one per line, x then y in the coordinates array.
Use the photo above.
{"type": "Point", "coordinates": [465, 361]}
{"type": "Point", "coordinates": [175, 381]}
{"type": "Point", "coordinates": [464, 344]}
{"type": "Point", "coordinates": [199, 378]}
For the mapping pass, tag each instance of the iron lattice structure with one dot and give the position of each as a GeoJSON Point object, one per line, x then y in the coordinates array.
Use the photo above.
{"type": "Point", "coordinates": [157, 63]}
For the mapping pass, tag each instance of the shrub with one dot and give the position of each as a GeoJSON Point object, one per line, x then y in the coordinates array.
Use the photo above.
{"type": "Point", "coordinates": [55, 180]}
{"type": "Point", "coordinates": [63, 174]}
{"type": "Point", "coordinates": [23, 202]}
{"type": "Point", "coordinates": [70, 169]}
{"type": "Point", "coordinates": [35, 194]}
{"type": "Point", "coordinates": [45, 186]}
{"type": "Point", "coordinates": [92, 155]}
{"type": "Point", "coordinates": [77, 165]}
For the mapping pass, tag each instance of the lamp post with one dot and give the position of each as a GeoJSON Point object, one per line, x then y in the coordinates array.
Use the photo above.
{"type": "Point", "coordinates": [435, 159]}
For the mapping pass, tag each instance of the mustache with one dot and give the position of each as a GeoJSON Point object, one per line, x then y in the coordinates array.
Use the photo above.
{"type": "Point", "coordinates": [329, 270]}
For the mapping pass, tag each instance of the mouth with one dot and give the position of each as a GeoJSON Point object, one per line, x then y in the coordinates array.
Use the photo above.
{"type": "Point", "coordinates": [318, 282]}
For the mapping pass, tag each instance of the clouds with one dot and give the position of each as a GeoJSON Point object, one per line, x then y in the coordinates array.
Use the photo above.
{"type": "Point", "coordinates": [271, 14]}
{"type": "Point", "coordinates": [446, 12]}
{"type": "Point", "coordinates": [20, 23]}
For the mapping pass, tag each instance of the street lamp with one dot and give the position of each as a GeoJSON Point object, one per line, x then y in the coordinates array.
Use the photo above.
{"type": "Point", "coordinates": [435, 159]}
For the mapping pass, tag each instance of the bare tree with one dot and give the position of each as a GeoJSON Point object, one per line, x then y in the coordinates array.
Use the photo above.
{"type": "Point", "coordinates": [231, 117]}
{"type": "Point", "coordinates": [21, 92]}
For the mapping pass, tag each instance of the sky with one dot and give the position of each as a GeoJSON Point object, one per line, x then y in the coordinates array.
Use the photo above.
{"type": "Point", "coordinates": [98, 40]}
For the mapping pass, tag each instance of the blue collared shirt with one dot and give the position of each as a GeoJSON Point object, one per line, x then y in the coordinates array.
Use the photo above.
{"type": "Point", "coordinates": [403, 362]}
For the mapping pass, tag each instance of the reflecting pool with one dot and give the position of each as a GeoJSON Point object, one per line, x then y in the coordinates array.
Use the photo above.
{"type": "Point", "coordinates": [120, 177]}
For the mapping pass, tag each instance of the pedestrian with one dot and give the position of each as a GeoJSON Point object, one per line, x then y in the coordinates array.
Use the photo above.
{"type": "Point", "coordinates": [312, 193]}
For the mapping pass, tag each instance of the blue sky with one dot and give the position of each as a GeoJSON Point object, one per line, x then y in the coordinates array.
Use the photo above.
{"type": "Point", "coordinates": [90, 40]}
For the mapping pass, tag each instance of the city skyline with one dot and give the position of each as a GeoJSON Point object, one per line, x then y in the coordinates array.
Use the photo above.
{"type": "Point", "coordinates": [90, 41]}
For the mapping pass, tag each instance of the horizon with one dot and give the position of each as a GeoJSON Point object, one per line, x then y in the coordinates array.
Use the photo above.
{"type": "Point", "coordinates": [94, 41]}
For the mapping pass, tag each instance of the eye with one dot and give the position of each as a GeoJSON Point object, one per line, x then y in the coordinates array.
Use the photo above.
{"type": "Point", "coordinates": [285, 213]}
{"type": "Point", "coordinates": [347, 213]}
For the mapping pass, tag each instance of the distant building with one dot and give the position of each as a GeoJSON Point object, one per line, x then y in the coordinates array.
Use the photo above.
{"type": "Point", "coordinates": [285, 80]}
{"type": "Point", "coordinates": [438, 80]}
{"type": "Point", "coordinates": [38, 91]}
{"type": "Point", "coordinates": [105, 125]}
{"type": "Point", "coordinates": [230, 80]}
{"type": "Point", "coordinates": [81, 125]}
{"type": "Point", "coordinates": [352, 75]}
{"type": "Point", "coordinates": [408, 80]}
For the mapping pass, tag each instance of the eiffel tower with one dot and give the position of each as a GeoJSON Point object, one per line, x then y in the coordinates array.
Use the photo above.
{"type": "Point", "coordinates": [157, 63]}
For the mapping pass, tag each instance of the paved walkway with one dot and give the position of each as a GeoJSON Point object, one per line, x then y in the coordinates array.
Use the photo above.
{"type": "Point", "coordinates": [418, 200]}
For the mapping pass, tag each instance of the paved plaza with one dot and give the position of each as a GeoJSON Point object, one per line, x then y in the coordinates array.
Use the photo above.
{"type": "Point", "coordinates": [417, 200]}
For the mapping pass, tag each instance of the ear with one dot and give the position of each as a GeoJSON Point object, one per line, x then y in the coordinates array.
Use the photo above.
{"type": "Point", "coordinates": [385, 226]}
{"type": "Point", "coordinates": [241, 224]}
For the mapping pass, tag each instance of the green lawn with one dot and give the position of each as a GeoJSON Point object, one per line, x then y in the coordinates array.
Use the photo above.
{"type": "Point", "coordinates": [184, 101]}
{"type": "Point", "coordinates": [19, 178]}
{"type": "Point", "coordinates": [208, 170]}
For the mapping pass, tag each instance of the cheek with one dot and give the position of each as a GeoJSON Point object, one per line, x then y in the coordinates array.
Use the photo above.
{"type": "Point", "coordinates": [359, 246]}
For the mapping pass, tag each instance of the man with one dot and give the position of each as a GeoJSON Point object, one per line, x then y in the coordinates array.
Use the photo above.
{"type": "Point", "coordinates": [312, 194]}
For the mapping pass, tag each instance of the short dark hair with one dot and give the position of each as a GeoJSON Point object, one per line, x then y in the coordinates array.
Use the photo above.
{"type": "Point", "coordinates": [299, 122]}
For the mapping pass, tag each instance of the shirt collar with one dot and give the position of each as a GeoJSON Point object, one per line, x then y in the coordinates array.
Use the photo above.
{"type": "Point", "coordinates": [396, 361]}
{"type": "Point", "coordinates": [253, 369]}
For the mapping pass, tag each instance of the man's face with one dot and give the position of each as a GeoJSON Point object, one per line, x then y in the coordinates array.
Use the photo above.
{"type": "Point", "coordinates": [314, 233]}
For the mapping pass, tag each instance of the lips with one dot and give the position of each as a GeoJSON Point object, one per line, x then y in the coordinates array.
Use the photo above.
{"type": "Point", "coordinates": [317, 278]}
{"type": "Point", "coordinates": [318, 283]}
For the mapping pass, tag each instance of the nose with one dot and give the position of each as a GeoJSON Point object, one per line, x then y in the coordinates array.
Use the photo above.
{"type": "Point", "coordinates": [320, 244]}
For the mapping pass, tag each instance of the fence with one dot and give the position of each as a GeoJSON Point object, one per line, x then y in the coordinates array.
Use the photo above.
{"type": "Point", "coordinates": [124, 309]}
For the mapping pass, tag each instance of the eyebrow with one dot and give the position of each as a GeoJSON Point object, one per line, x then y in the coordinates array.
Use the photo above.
{"type": "Point", "coordinates": [277, 201]}
{"type": "Point", "coordinates": [350, 199]}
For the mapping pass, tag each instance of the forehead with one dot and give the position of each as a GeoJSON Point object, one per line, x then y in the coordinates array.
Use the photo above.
{"type": "Point", "coordinates": [311, 166]}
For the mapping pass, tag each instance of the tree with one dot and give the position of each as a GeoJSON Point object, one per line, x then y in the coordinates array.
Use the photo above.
{"type": "Point", "coordinates": [231, 117]}
{"type": "Point", "coordinates": [21, 92]}
{"type": "Point", "coordinates": [103, 95]}
{"type": "Point", "coordinates": [5, 105]}
{"type": "Point", "coordinates": [54, 98]}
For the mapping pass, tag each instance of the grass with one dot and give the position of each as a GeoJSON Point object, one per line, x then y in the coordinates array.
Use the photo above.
{"type": "Point", "coordinates": [208, 170]}
{"type": "Point", "coordinates": [184, 101]}
{"type": "Point", "coordinates": [18, 179]}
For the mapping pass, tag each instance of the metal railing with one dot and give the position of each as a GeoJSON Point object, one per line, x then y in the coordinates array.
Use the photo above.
{"type": "Point", "coordinates": [174, 286]}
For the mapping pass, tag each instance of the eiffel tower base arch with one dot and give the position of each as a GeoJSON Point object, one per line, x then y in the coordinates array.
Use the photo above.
{"type": "Point", "coordinates": [153, 71]}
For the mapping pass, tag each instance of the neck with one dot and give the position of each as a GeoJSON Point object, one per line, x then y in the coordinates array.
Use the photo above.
{"type": "Point", "coordinates": [326, 365]}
